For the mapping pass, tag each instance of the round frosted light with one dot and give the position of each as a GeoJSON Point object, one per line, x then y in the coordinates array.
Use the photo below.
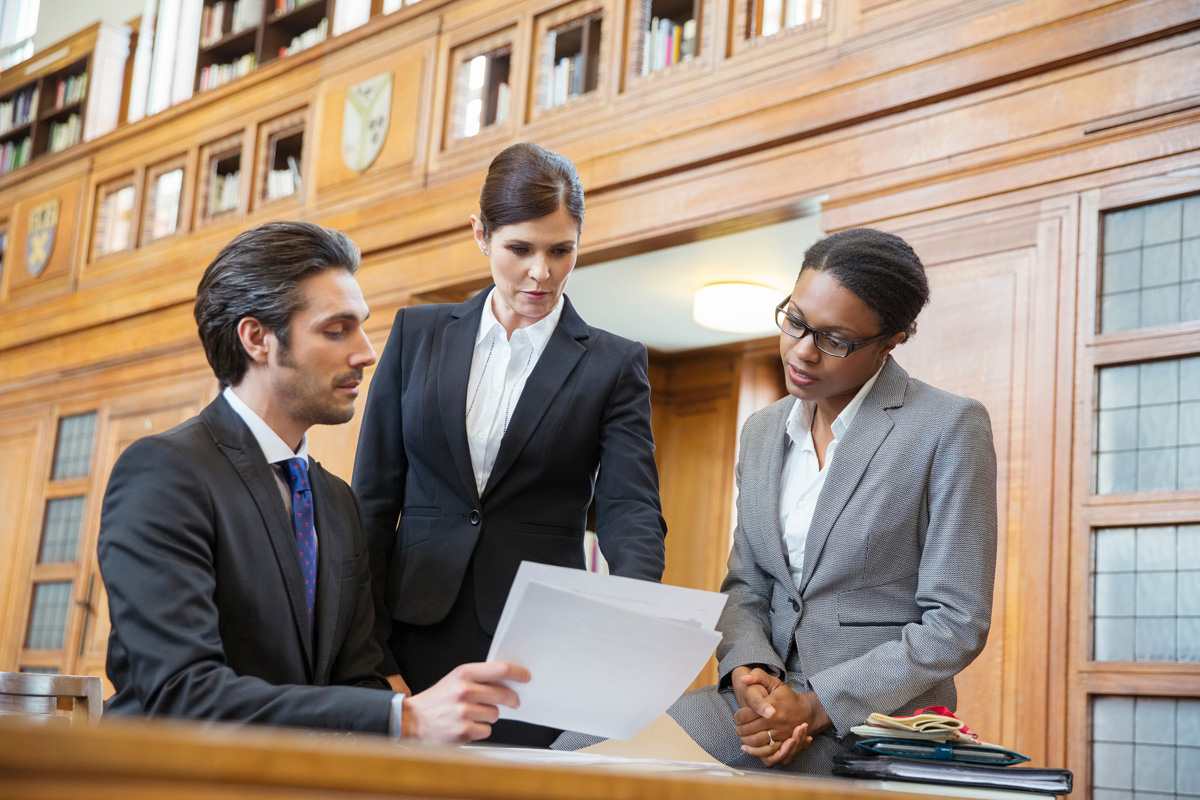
{"type": "Point", "coordinates": [736, 307]}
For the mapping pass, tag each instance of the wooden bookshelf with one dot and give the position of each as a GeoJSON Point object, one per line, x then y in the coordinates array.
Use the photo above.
{"type": "Point", "coordinates": [162, 216]}
{"type": "Point", "coordinates": [69, 93]}
{"type": "Point", "coordinates": [114, 230]}
{"type": "Point", "coordinates": [571, 46]}
{"type": "Point", "coordinates": [220, 188]}
{"type": "Point", "coordinates": [665, 37]}
{"type": "Point", "coordinates": [238, 36]}
{"type": "Point", "coordinates": [481, 87]}
{"type": "Point", "coordinates": [281, 151]}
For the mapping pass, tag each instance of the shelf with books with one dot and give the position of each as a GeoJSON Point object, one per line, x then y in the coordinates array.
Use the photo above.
{"type": "Point", "coordinates": [295, 28]}
{"type": "Point", "coordinates": [162, 215]}
{"type": "Point", "coordinates": [72, 95]}
{"type": "Point", "coordinates": [221, 20]}
{"type": "Point", "coordinates": [281, 158]}
{"type": "Point", "coordinates": [663, 35]}
{"type": "Point", "coordinates": [219, 190]}
{"type": "Point", "coordinates": [571, 45]}
{"type": "Point", "coordinates": [758, 21]}
{"type": "Point", "coordinates": [113, 228]}
{"type": "Point", "coordinates": [481, 89]}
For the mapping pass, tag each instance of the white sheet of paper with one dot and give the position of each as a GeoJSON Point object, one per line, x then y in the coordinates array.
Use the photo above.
{"type": "Point", "coordinates": [598, 667]}
{"type": "Point", "coordinates": [693, 606]}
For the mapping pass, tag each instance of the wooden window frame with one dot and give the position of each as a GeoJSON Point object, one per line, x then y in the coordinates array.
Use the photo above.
{"type": "Point", "coordinates": [150, 193]}
{"type": "Point", "coordinates": [706, 43]}
{"type": "Point", "coordinates": [743, 40]}
{"type": "Point", "coordinates": [210, 155]}
{"type": "Point", "coordinates": [269, 133]}
{"type": "Point", "coordinates": [460, 54]}
{"type": "Point", "coordinates": [127, 181]}
{"type": "Point", "coordinates": [1087, 677]}
{"type": "Point", "coordinates": [556, 18]}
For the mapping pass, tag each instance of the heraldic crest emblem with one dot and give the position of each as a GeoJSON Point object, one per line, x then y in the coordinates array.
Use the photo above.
{"type": "Point", "coordinates": [43, 219]}
{"type": "Point", "coordinates": [365, 121]}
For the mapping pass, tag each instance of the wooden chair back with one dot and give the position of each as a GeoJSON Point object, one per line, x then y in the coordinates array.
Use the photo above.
{"type": "Point", "coordinates": [70, 699]}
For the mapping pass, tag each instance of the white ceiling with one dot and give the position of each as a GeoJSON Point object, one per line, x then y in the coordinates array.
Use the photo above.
{"type": "Point", "coordinates": [648, 297]}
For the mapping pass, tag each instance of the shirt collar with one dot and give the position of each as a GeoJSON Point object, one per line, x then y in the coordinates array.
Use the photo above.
{"type": "Point", "coordinates": [273, 447]}
{"type": "Point", "coordinates": [539, 332]}
{"type": "Point", "coordinates": [799, 422]}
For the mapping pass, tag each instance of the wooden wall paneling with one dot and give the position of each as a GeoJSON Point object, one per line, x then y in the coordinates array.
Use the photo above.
{"type": "Point", "coordinates": [58, 275]}
{"type": "Point", "coordinates": [24, 463]}
{"type": "Point", "coordinates": [397, 166]}
{"type": "Point", "coordinates": [463, 29]}
{"type": "Point", "coordinates": [995, 303]}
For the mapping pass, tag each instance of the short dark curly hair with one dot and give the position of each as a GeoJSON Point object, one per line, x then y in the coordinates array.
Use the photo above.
{"type": "Point", "coordinates": [259, 275]}
{"type": "Point", "coordinates": [881, 269]}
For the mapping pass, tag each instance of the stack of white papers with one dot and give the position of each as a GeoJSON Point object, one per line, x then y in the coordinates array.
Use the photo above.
{"type": "Point", "coordinates": [608, 655]}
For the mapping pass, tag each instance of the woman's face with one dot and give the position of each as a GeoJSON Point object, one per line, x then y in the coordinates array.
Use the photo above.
{"type": "Point", "coordinates": [530, 264]}
{"type": "Point", "coordinates": [821, 302]}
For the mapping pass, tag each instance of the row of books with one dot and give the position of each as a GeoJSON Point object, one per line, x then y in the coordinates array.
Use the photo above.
{"type": "Point", "coordinates": [242, 14]}
{"type": "Point", "coordinates": [15, 154]}
{"type": "Point", "coordinates": [310, 37]}
{"type": "Point", "coordinates": [667, 43]}
{"type": "Point", "coordinates": [224, 193]}
{"type": "Point", "coordinates": [567, 80]}
{"type": "Point", "coordinates": [284, 6]}
{"type": "Point", "coordinates": [215, 75]}
{"type": "Point", "coordinates": [70, 90]}
{"type": "Point", "coordinates": [65, 134]}
{"type": "Point", "coordinates": [284, 182]}
{"type": "Point", "coordinates": [19, 110]}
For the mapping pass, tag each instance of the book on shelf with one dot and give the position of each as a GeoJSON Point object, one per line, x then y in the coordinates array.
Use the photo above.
{"type": "Point", "coordinates": [215, 75]}
{"type": "Point", "coordinates": [667, 43]}
{"type": "Point", "coordinates": [242, 14]}
{"type": "Point", "coordinates": [19, 110]}
{"type": "Point", "coordinates": [15, 154]}
{"type": "Point", "coordinates": [224, 193]}
{"type": "Point", "coordinates": [502, 100]}
{"type": "Point", "coordinates": [311, 37]}
{"type": "Point", "coordinates": [65, 134]}
{"type": "Point", "coordinates": [284, 6]}
{"type": "Point", "coordinates": [70, 90]}
{"type": "Point", "coordinates": [567, 81]}
{"type": "Point", "coordinates": [283, 182]}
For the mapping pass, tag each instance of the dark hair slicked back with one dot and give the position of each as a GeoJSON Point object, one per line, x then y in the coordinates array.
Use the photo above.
{"type": "Point", "coordinates": [259, 274]}
{"type": "Point", "coordinates": [527, 181]}
{"type": "Point", "coordinates": [881, 269]}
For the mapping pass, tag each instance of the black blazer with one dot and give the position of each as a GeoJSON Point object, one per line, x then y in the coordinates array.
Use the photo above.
{"type": "Point", "coordinates": [585, 407]}
{"type": "Point", "coordinates": [206, 595]}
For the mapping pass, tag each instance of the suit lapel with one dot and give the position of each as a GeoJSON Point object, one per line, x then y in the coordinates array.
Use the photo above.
{"type": "Point", "coordinates": [332, 535]}
{"type": "Point", "coordinates": [768, 507]}
{"type": "Point", "coordinates": [870, 427]}
{"type": "Point", "coordinates": [563, 351]}
{"type": "Point", "coordinates": [236, 442]}
{"type": "Point", "coordinates": [454, 372]}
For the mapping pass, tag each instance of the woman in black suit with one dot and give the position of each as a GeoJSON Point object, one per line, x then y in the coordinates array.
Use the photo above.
{"type": "Point", "coordinates": [491, 426]}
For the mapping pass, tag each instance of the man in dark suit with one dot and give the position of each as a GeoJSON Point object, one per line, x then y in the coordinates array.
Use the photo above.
{"type": "Point", "coordinates": [235, 566]}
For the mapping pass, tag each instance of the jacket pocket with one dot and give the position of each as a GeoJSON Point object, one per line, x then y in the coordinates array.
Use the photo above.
{"type": "Point", "coordinates": [549, 530]}
{"type": "Point", "coordinates": [889, 604]}
{"type": "Point", "coordinates": [416, 523]}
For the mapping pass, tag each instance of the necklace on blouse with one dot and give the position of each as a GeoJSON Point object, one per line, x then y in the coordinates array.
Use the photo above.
{"type": "Point", "coordinates": [512, 391]}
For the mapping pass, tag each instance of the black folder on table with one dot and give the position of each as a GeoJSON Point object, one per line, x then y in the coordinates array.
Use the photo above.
{"type": "Point", "coordinates": [1028, 779]}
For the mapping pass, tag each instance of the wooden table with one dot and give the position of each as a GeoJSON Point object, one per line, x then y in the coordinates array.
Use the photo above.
{"type": "Point", "coordinates": [129, 760]}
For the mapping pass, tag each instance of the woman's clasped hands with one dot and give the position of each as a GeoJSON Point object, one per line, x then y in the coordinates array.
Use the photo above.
{"type": "Point", "coordinates": [774, 722]}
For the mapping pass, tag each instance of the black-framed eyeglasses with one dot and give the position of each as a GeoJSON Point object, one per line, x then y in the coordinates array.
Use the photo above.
{"type": "Point", "coordinates": [827, 343]}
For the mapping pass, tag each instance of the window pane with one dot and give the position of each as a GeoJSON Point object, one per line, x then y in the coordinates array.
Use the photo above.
{"type": "Point", "coordinates": [60, 532]}
{"type": "Point", "coordinates": [73, 455]}
{"type": "Point", "coordinates": [1147, 427]}
{"type": "Point", "coordinates": [1150, 268]}
{"type": "Point", "coordinates": [48, 615]}
{"type": "Point", "coordinates": [1155, 749]}
{"type": "Point", "coordinates": [1146, 594]}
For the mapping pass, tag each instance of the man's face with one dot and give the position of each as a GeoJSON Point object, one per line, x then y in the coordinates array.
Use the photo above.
{"type": "Point", "coordinates": [314, 380]}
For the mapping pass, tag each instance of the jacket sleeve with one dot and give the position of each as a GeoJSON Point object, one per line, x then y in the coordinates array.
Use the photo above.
{"type": "Point", "coordinates": [954, 584]}
{"type": "Point", "coordinates": [156, 554]}
{"type": "Point", "coordinates": [629, 522]}
{"type": "Point", "coordinates": [745, 622]}
{"type": "Point", "coordinates": [380, 472]}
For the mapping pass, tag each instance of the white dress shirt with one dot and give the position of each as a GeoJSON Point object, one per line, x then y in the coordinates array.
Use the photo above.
{"type": "Point", "coordinates": [499, 369]}
{"type": "Point", "coordinates": [802, 479]}
{"type": "Point", "coordinates": [276, 451]}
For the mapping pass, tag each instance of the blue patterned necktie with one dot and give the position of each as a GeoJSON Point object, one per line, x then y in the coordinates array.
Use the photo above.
{"type": "Point", "coordinates": [296, 472]}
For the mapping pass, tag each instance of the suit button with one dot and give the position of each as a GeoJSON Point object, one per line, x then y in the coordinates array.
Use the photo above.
{"type": "Point", "coordinates": [795, 604]}
{"type": "Point", "coordinates": [475, 517]}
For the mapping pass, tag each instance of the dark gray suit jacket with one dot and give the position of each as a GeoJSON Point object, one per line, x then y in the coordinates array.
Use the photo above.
{"type": "Point", "coordinates": [585, 407]}
{"type": "Point", "coordinates": [899, 561]}
{"type": "Point", "coordinates": [206, 595]}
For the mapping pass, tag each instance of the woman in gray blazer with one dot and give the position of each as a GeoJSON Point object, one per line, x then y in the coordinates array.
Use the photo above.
{"type": "Point", "coordinates": [861, 572]}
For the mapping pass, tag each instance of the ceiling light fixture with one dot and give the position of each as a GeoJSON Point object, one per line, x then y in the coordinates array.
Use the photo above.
{"type": "Point", "coordinates": [736, 307]}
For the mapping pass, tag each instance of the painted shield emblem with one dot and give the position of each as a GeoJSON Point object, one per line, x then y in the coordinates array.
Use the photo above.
{"type": "Point", "coordinates": [43, 220]}
{"type": "Point", "coordinates": [365, 122]}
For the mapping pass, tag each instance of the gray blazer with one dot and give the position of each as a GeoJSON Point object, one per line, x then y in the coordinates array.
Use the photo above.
{"type": "Point", "coordinates": [899, 562]}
